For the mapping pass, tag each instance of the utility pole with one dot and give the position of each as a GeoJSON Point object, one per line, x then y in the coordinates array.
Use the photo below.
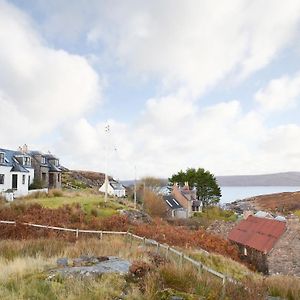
{"type": "Point", "coordinates": [134, 194]}
{"type": "Point", "coordinates": [107, 130]}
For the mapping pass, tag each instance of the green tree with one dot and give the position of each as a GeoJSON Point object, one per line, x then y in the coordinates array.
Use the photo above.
{"type": "Point", "coordinates": [208, 190]}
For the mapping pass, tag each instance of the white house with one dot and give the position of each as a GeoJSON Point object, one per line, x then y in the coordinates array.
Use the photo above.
{"type": "Point", "coordinates": [114, 188]}
{"type": "Point", "coordinates": [16, 173]}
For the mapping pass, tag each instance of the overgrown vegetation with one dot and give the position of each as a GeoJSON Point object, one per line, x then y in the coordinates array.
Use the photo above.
{"type": "Point", "coordinates": [213, 213]}
{"type": "Point", "coordinates": [154, 205]}
{"type": "Point", "coordinates": [25, 267]}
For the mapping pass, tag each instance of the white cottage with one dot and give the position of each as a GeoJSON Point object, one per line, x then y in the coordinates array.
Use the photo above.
{"type": "Point", "coordinates": [16, 173]}
{"type": "Point", "coordinates": [114, 188]}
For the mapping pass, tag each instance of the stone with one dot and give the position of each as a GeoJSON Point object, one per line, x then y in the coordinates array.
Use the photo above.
{"type": "Point", "coordinates": [103, 265]}
{"type": "Point", "coordinates": [88, 260]}
{"type": "Point", "coordinates": [62, 262]}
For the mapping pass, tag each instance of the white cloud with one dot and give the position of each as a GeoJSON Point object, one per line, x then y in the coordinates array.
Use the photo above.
{"type": "Point", "coordinates": [196, 43]}
{"type": "Point", "coordinates": [188, 47]}
{"type": "Point", "coordinates": [280, 94]}
{"type": "Point", "coordinates": [40, 87]}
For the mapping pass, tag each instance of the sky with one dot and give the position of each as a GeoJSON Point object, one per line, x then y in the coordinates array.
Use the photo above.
{"type": "Point", "coordinates": [196, 83]}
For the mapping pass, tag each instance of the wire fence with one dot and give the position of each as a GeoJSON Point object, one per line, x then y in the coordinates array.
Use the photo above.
{"type": "Point", "coordinates": [159, 247]}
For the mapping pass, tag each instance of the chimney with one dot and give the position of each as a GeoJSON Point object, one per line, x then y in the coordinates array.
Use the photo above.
{"type": "Point", "coordinates": [25, 148]}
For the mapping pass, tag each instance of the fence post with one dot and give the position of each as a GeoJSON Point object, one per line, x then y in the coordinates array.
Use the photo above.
{"type": "Point", "coordinates": [223, 287]}
{"type": "Point", "coordinates": [77, 233]}
{"type": "Point", "coordinates": [157, 247]}
{"type": "Point", "coordinates": [200, 266]}
{"type": "Point", "coordinates": [144, 241]}
{"type": "Point", "coordinates": [181, 259]}
{"type": "Point", "coordinates": [167, 252]}
{"type": "Point", "coordinates": [101, 235]}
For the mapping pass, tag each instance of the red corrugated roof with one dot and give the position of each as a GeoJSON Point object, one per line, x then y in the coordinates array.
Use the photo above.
{"type": "Point", "coordinates": [258, 233]}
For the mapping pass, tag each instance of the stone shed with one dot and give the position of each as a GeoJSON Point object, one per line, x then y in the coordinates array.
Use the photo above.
{"type": "Point", "coordinates": [258, 240]}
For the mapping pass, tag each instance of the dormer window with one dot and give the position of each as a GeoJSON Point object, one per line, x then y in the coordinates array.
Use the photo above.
{"type": "Point", "coordinates": [56, 162]}
{"type": "Point", "coordinates": [43, 160]}
{"type": "Point", "coordinates": [27, 161]}
{"type": "Point", "coordinates": [2, 158]}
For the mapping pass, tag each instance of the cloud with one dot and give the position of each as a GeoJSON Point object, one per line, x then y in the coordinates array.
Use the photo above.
{"type": "Point", "coordinates": [40, 87]}
{"type": "Point", "coordinates": [280, 94]}
{"type": "Point", "coordinates": [195, 44]}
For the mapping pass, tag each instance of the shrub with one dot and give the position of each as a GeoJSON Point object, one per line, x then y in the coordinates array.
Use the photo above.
{"type": "Point", "coordinates": [139, 268]}
{"type": "Point", "coordinates": [36, 184]}
{"type": "Point", "coordinates": [154, 205]}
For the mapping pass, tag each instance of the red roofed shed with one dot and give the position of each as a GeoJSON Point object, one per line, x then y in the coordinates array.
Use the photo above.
{"type": "Point", "coordinates": [256, 237]}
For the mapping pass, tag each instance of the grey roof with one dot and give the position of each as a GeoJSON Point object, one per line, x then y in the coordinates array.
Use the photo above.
{"type": "Point", "coordinates": [10, 160]}
{"type": "Point", "coordinates": [116, 185]}
{"type": "Point", "coordinates": [172, 202]}
{"type": "Point", "coordinates": [49, 157]}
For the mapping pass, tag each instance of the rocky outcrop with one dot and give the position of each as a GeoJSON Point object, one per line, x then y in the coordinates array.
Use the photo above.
{"type": "Point", "coordinates": [136, 216]}
{"type": "Point", "coordinates": [91, 266]}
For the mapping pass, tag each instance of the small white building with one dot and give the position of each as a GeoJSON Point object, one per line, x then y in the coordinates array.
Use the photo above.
{"type": "Point", "coordinates": [16, 173]}
{"type": "Point", "coordinates": [114, 188]}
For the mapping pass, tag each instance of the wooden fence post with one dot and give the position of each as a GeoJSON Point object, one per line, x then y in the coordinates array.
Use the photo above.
{"type": "Point", "coordinates": [167, 252]}
{"type": "Point", "coordinates": [200, 270]}
{"type": "Point", "coordinates": [77, 233]}
{"type": "Point", "coordinates": [223, 288]}
{"type": "Point", "coordinates": [101, 235]}
{"type": "Point", "coordinates": [181, 259]}
{"type": "Point", "coordinates": [157, 247]}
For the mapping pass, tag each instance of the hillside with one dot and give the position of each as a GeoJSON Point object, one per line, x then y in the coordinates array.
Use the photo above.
{"type": "Point", "coordinates": [276, 179]}
{"type": "Point", "coordinates": [280, 203]}
{"type": "Point", "coordinates": [83, 179]}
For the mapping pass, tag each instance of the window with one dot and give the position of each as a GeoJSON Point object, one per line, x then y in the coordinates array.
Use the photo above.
{"type": "Point", "coordinates": [29, 180]}
{"type": "Point", "coordinates": [27, 161]}
{"type": "Point", "coordinates": [43, 160]}
{"type": "Point", "coordinates": [58, 177]}
{"type": "Point", "coordinates": [1, 178]}
{"type": "Point", "coordinates": [55, 162]}
{"type": "Point", "coordinates": [23, 179]}
{"type": "Point", "coordinates": [2, 158]}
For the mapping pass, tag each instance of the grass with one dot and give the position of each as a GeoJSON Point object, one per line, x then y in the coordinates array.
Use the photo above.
{"type": "Point", "coordinates": [25, 268]}
{"type": "Point", "coordinates": [92, 203]}
{"type": "Point", "coordinates": [297, 213]}
{"type": "Point", "coordinates": [224, 265]}
{"type": "Point", "coordinates": [216, 213]}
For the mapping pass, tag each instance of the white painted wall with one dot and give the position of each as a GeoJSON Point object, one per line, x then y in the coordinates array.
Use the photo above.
{"type": "Point", "coordinates": [7, 178]}
{"type": "Point", "coordinates": [112, 192]}
{"type": "Point", "coordinates": [22, 189]}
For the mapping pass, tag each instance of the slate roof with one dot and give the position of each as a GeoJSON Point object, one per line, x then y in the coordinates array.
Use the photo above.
{"type": "Point", "coordinates": [116, 185]}
{"type": "Point", "coordinates": [258, 233]}
{"type": "Point", "coordinates": [172, 202]}
{"type": "Point", "coordinates": [10, 161]}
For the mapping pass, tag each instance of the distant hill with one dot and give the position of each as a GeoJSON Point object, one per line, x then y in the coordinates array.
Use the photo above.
{"type": "Point", "coordinates": [277, 179]}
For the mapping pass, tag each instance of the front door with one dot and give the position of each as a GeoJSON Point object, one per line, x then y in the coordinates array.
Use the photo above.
{"type": "Point", "coordinates": [15, 181]}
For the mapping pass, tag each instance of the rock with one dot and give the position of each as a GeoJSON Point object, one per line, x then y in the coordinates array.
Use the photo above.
{"type": "Point", "coordinates": [62, 262]}
{"type": "Point", "coordinates": [88, 260]}
{"type": "Point", "coordinates": [136, 216]}
{"type": "Point", "coordinates": [95, 266]}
